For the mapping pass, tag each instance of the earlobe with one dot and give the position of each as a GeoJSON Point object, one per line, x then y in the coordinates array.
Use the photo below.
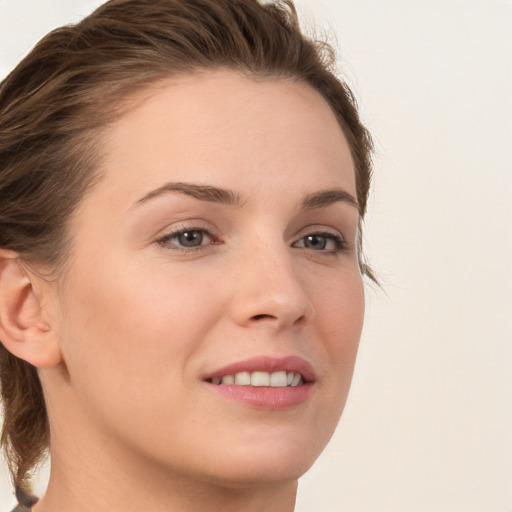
{"type": "Point", "coordinates": [23, 330]}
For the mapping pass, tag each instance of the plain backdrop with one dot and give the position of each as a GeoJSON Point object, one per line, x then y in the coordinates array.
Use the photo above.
{"type": "Point", "coordinates": [428, 425]}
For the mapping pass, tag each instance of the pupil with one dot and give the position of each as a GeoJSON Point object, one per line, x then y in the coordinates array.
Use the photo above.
{"type": "Point", "coordinates": [316, 242]}
{"type": "Point", "coordinates": [191, 238]}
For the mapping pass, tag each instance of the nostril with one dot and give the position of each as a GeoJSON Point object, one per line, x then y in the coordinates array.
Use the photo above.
{"type": "Point", "coordinates": [262, 317]}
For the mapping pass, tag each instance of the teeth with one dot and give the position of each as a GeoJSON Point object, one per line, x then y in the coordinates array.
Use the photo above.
{"type": "Point", "coordinates": [260, 379]}
{"type": "Point", "coordinates": [228, 379]}
{"type": "Point", "coordinates": [243, 379]}
{"type": "Point", "coordinates": [296, 379]}
{"type": "Point", "coordinates": [279, 379]}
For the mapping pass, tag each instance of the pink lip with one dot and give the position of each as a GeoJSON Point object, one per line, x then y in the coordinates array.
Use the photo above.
{"type": "Point", "coordinates": [268, 364]}
{"type": "Point", "coordinates": [268, 398]}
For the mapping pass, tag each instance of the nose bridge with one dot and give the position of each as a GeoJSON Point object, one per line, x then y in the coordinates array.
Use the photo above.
{"type": "Point", "coordinates": [269, 287]}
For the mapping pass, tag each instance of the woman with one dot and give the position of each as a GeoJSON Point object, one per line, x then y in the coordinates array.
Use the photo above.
{"type": "Point", "coordinates": [182, 186]}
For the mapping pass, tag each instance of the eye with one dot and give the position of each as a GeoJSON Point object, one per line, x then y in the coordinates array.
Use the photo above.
{"type": "Point", "coordinates": [190, 238]}
{"type": "Point", "coordinates": [327, 242]}
{"type": "Point", "coordinates": [186, 238]}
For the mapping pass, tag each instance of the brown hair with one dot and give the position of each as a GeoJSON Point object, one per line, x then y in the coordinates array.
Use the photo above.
{"type": "Point", "coordinates": [57, 101]}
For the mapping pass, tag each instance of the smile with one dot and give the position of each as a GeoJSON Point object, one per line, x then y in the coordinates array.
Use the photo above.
{"type": "Point", "coordinates": [265, 382]}
{"type": "Point", "coordinates": [279, 379]}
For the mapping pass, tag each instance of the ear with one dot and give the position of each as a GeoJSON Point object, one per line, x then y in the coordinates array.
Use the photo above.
{"type": "Point", "coordinates": [23, 330]}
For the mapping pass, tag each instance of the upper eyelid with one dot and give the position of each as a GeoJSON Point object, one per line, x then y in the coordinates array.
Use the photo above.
{"type": "Point", "coordinates": [182, 227]}
{"type": "Point", "coordinates": [321, 230]}
{"type": "Point", "coordinates": [180, 231]}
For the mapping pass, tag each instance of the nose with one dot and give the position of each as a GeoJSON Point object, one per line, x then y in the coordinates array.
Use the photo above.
{"type": "Point", "coordinates": [269, 290]}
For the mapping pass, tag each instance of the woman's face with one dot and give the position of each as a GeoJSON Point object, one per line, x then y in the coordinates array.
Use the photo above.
{"type": "Point", "coordinates": [219, 244]}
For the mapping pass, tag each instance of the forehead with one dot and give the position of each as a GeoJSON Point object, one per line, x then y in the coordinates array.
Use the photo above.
{"type": "Point", "coordinates": [223, 128]}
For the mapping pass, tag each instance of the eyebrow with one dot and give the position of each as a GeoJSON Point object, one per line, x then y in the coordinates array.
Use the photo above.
{"type": "Point", "coordinates": [227, 197]}
{"type": "Point", "coordinates": [201, 192]}
{"type": "Point", "coordinates": [327, 197]}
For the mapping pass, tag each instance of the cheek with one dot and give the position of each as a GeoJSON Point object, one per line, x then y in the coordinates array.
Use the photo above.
{"type": "Point", "coordinates": [130, 341]}
{"type": "Point", "coordinates": [341, 306]}
{"type": "Point", "coordinates": [127, 326]}
{"type": "Point", "coordinates": [340, 315]}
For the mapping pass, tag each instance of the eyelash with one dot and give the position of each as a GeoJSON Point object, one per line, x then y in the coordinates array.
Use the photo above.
{"type": "Point", "coordinates": [339, 243]}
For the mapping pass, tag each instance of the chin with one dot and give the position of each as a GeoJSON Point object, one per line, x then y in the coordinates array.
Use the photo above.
{"type": "Point", "coordinates": [268, 463]}
{"type": "Point", "coordinates": [260, 475]}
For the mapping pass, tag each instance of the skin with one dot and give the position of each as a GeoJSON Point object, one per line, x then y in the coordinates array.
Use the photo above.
{"type": "Point", "coordinates": [137, 321]}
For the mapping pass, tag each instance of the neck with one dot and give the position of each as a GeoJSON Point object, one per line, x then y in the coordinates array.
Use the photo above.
{"type": "Point", "coordinates": [76, 490]}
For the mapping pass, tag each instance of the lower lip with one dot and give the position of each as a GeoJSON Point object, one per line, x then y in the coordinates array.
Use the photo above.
{"type": "Point", "coordinates": [272, 399]}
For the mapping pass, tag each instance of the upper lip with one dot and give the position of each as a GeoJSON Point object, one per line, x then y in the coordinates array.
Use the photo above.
{"type": "Point", "coordinates": [268, 364]}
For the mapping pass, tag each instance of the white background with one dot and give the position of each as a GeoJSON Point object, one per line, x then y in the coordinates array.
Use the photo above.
{"type": "Point", "coordinates": [428, 425]}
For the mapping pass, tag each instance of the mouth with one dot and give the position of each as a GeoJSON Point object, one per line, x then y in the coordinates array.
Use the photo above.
{"type": "Point", "coordinates": [265, 382]}
{"type": "Point", "coordinates": [279, 379]}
